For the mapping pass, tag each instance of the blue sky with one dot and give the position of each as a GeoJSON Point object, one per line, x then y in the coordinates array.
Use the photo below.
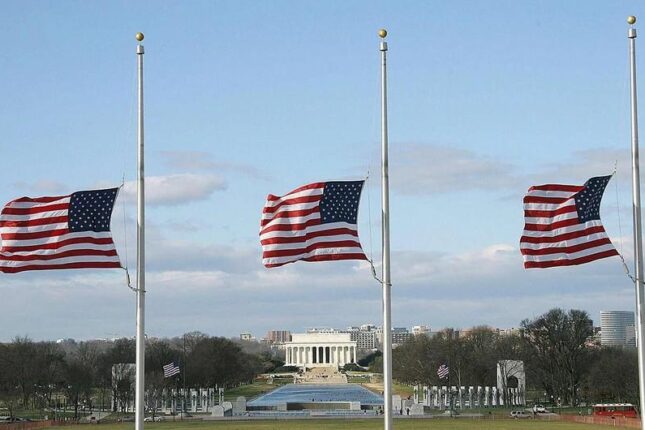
{"type": "Point", "coordinates": [249, 98]}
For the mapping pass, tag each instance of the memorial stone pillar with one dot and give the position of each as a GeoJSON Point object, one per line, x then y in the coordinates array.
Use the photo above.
{"type": "Point", "coordinates": [444, 396]}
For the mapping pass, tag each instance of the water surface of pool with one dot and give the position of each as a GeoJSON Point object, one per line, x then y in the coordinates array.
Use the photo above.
{"type": "Point", "coordinates": [305, 393]}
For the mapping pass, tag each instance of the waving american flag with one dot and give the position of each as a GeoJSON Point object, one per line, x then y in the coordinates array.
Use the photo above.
{"type": "Point", "coordinates": [64, 232]}
{"type": "Point", "coordinates": [315, 222]}
{"type": "Point", "coordinates": [562, 225]}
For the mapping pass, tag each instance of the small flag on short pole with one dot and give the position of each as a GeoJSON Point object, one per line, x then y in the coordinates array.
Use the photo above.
{"type": "Point", "coordinates": [443, 371]}
{"type": "Point", "coordinates": [63, 232]}
{"type": "Point", "coordinates": [315, 222]}
{"type": "Point", "coordinates": [562, 225]}
{"type": "Point", "coordinates": [170, 369]}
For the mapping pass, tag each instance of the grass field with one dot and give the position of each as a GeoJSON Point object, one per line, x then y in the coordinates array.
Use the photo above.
{"type": "Point", "coordinates": [356, 424]}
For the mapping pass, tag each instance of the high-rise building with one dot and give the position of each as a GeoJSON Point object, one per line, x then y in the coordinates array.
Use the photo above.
{"type": "Point", "coordinates": [617, 328]}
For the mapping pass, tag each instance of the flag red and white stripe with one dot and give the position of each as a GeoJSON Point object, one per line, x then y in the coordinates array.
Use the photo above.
{"type": "Point", "coordinates": [443, 371]}
{"type": "Point", "coordinates": [293, 229]}
{"type": "Point", "coordinates": [36, 235]}
{"type": "Point", "coordinates": [554, 233]}
{"type": "Point", "coordinates": [170, 370]}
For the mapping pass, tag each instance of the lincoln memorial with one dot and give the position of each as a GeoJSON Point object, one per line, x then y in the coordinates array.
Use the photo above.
{"type": "Point", "coordinates": [320, 350]}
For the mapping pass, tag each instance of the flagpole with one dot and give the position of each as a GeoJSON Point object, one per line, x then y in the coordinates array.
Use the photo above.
{"type": "Point", "coordinates": [636, 204]}
{"type": "Point", "coordinates": [141, 290]}
{"type": "Point", "coordinates": [385, 230]}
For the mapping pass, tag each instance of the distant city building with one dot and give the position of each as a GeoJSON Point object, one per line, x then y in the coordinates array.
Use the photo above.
{"type": "Point", "coordinates": [464, 332]}
{"type": "Point", "coordinates": [617, 328]}
{"type": "Point", "coordinates": [365, 339]}
{"type": "Point", "coordinates": [278, 336]}
{"type": "Point", "coordinates": [630, 335]}
{"type": "Point", "coordinates": [400, 335]}
{"type": "Point", "coordinates": [420, 329]}
{"type": "Point", "coordinates": [368, 327]}
{"type": "Point", "coordinates": [513, 331]}
{"type": "Point", "coordinates": [246, 336]}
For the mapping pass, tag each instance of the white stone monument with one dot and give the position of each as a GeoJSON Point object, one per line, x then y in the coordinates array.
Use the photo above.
{"type": "Point", "coordinates": [511, 374]}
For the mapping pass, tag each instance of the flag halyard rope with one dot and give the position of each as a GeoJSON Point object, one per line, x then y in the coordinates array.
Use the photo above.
{"type": "Point", "coordinates": [369, 216]}
{"type": "Point", "coordinates": [128, 283]}
{"type": "Point", "coordinates": [620, 229]}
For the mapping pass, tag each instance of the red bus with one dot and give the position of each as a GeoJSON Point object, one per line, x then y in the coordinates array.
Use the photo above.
{"type": "Point", "coordinates": [626, 410]}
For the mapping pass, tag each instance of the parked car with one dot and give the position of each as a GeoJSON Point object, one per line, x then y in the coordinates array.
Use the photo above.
{"type": "Point", "coordinates": [519, 414]}
{"type": "Point", "coordinates": [539, 409]}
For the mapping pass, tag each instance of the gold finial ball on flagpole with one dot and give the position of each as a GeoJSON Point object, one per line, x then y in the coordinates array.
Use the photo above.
{"type": "Point", "coordinates": [631, 20]}
{"type": "Point", "coordinates": [139, 36]}
{"type": "Point", "coordinates": [382, 33]}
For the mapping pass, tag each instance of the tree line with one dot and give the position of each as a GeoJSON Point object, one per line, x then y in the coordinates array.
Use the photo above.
{"type": "Point", "coordinates": [41, 375]}
{"type": "Point", "coordinates": [562, 363]}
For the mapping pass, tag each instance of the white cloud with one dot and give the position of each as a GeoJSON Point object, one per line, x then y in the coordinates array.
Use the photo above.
{"type": "Point", "coordinates": [175, 189]}
{"type": "Point", "coordinates": [43, 186]}
{"type": "Point", "coordinates": [199, 160]}
{"type": "Point", "coordinates": [431, 169]}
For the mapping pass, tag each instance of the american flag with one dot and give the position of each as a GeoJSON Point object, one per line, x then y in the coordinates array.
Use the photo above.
{"type": "Point", "coordinates": [443, 371]}
{"type": "Point", "coordinates": [315, 222]}
{"type": "Point", "coordinates": [64, 232]}
{"type": "Point", "coordinates": [170, 370]}
{"type": "Point", "coordinates": [562, 225]}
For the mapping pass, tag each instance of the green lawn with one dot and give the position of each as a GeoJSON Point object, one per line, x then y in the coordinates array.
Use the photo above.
{"type": "Point", "coordinates": [355, 424]}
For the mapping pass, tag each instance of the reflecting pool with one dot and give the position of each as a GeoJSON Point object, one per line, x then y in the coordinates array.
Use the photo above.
{"type": "Point", "coordinates": [306, 393]}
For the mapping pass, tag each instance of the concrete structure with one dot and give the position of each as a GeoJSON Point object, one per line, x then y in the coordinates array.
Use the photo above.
{"type": "Point", "coordinates": [168, 401]}
{"type": "Point", "coordinates": [320, 350]}
{"type": "Point", "coordinates": [511, 383]}
{"type": "Point", "coordinates": [617, 328]}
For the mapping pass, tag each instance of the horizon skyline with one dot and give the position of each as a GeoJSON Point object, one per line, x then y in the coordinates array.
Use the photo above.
{"type": "Point", "coordinates": [305, 330]}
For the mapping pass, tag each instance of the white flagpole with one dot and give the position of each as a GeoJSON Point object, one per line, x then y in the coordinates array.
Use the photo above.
{"type": "Point", "coordinates": [638, 235]}
{"type": "Point", "coordinates": [385, 231]}
{"type": "Point", "coordinates": [141, 261]}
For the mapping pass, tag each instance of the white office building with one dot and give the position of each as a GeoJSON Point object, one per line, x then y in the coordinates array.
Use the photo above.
{"type": "Point", "coordinates": [617, 328]}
